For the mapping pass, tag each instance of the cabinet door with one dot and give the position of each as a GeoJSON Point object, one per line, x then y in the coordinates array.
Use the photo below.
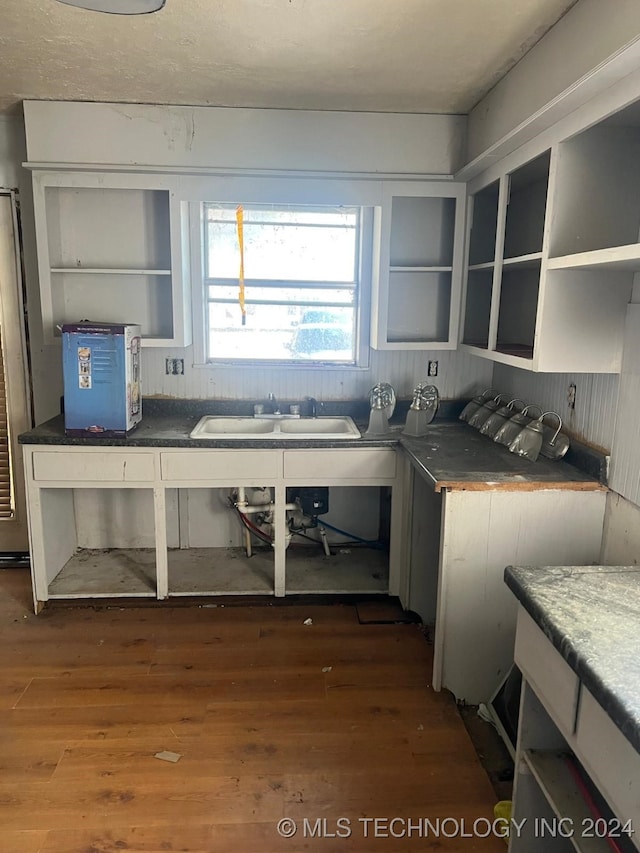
{"type": "Point", "coordinates": [418, 274]}
{"type": "Point", "coordinates": [110, 249]}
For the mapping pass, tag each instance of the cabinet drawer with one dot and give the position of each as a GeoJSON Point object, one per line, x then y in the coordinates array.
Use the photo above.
{"type": "Point", "coordinates": [555, 683]}
{"type": "Point", "coordinates": [340, 464]}
{"type": "Point", "coordinates": [610, 759]}
{"type": "Point", "coordinates": [259, 466]}
{"type": "Point", "coordinates": [103, 466]}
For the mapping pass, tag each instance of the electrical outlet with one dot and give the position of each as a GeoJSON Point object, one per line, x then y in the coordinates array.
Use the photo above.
{"type": "Point", "coordinates": [432, 368]}
{"type": "Point", "coordinates": [174, 366]}
{"type": "Point", "coordinates": [571, 396]}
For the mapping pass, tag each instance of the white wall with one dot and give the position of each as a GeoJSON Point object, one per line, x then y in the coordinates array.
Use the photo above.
{"type": "Point", "coordinates": [192, 138]}
{"type": "Point", "coordinates": [592, 420]}
{"type": "Point", "coordinates": [187, 140]}
{"type": "Point", "coordinates": [459, 375]}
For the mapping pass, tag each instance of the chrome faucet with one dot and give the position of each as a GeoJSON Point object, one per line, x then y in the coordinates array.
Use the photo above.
{"type": "Point", "coordinates": [313, 406]}
{"type": "Point", "coordinates": [276, 406]}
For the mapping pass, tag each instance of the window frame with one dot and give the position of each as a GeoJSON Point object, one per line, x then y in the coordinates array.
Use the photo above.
{"type": "Point", "coordinates": [200, 294]}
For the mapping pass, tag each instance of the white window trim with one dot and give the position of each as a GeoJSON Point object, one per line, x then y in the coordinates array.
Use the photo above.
{"type": "Point", "coordinates": [199, 298]}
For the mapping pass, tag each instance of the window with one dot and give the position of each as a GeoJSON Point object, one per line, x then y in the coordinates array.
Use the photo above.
{"type": "Point", "coordinates": [302, 273]}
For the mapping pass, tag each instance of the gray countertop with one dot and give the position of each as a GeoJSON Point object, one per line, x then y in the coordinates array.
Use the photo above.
{"type": "Point", "coordinates": [456, 456]}
{"type": "Point", "coordinates": [452, 455]}
{"type": "Point", "coordinates": [591, 614]}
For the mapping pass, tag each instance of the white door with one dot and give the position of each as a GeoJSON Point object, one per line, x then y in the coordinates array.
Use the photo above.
{"type": "Point", "coordinates": [14, 395]}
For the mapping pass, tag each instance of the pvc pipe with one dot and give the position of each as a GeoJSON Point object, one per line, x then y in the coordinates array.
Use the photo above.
{"type": "Point", "coordinates": [242, 505]}
{"type": "Point", "coordinates": [325, 543]}
{"type": "Point", "coordinates": [247, 509]}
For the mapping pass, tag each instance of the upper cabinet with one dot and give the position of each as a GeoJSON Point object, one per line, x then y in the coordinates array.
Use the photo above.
{"type": "Point", "coordinates": [111, 251]}
{"type": "Point", "coordinates": [552, 250]}
{"type": "Point", "coordinates": [418, 245]}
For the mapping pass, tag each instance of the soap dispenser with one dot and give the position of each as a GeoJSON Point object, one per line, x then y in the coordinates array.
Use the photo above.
{"type": "Point", "coordinates": [382, 400]}
{"type": "Point", "coordinates": [422, 410]}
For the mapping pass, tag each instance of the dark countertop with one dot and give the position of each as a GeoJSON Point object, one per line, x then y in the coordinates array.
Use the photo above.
{"type": "Point", "coordinates": [456, 456]}
{"type": "Point", "coordinates": [591, 614]}
{"type": "Point", "coordinates": [172, 430]}
{"type": "Point", "coordinates": [453, 454]}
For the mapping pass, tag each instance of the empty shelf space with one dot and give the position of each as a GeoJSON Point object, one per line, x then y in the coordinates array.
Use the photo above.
{"type": "Point", "coordinates": [516, 350]}
{"type": "Point", "coordinates": [551, 770]}
{"type": "Point", "coordinates": [220, 571]}
{"type": "Point", "coordinates": [347, 570]}
{"type": "Point", "coordinates": [107, 573]}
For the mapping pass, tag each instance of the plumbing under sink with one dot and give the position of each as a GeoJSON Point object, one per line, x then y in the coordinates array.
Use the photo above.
{"type": "Point", "coordinates": [223, 426]}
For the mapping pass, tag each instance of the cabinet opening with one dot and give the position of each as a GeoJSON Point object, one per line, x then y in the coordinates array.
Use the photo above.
{"type": "Point", "coordinates": [518, 311]}
{"type": "Point", "coordinates": [526, 208]}
{"type": "Point", "coordinates": [596, 202]}
{"type": "Point", "coordinates": [419, 307]}
{"type": "Point", "coordinates": [94, 227]}
{"type": "Point", "coordinates": [478, 308]}
{"type": "Point", "coordinates": [114, 298]}
{"type": "Point", "coordinates": [422, 231]}
{"type": "Point", "coordinates": [103, 542]}
{"type": "Point", "coordinates": [482, 240]}
{"type": "Point", "coordinates": [207, 535]}
{"type": "Point", "coordinates": [355, 531]}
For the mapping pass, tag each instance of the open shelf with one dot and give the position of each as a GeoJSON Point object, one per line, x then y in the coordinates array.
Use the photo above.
{"type": "Point", "coordinates": [107, 573]}
{"type": "Point", "coordinates": [419, 307]}
{"type": "Point", "coordinates": [422, 231]}
{"type": "Point", "coordinates": [618, 258]}
{"type": "Point", "coordinates": [108, 271]}
{"type": "Point", "coordinates": [220, 571]}
{"type": "Point", "coordinates": [347, 570]}
{"type": "Point", "coordinates": [418, 242]}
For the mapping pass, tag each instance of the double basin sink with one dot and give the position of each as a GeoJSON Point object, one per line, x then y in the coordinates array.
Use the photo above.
{"type": "Point", "coordinates": [328, 428]}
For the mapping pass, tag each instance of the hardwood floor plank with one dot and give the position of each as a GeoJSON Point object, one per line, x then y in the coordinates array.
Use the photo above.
{"type": "Point", "coordinates": [272, 718]}
{"type": "Point", "coordinates": [23, 842]}
{"type": "Point", "coordinates": [170, 690]}
{"type": "Point", "coordinates": [232, 799]}
{"type": "Point", "coordinates": [97, 722]}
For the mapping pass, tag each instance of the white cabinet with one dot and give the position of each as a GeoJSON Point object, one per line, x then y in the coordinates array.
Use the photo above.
{"type": "Point", "coordinates": [460, 542]}
{"type": "Point", "coordinates": [506, 240]}
{"type": "Point", "coordinates": [110, 249]}
{"type": "Point", "coordinates": [418, 242]}
{"type": "Point", "coordinates": [552, 251]}
{"type": "Point", "coordinates": [577, 777]}
{"type": "Point", "coordinates": [120, 522]}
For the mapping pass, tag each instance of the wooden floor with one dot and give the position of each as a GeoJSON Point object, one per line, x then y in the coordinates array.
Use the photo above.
{"type": "Point", "coordinates": [272, 719]}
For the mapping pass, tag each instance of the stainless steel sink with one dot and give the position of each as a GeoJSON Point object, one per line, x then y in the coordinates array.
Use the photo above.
{"type": "Point", "coordinates": [222, 426]}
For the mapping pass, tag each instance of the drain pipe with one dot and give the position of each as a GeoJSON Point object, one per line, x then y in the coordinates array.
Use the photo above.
{"type": "Point", "coordinates": [243, 506]}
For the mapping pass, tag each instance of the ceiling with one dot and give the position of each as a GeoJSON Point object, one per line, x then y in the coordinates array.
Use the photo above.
{"type": "Point", "coordinates": [421, 56]}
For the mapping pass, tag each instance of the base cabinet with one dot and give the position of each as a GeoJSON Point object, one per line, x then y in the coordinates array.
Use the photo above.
{"type": "Point", "coordinates": [161, 522]}
{"type": "Point", "coordinates": [461, 542]}
{"type": "Point", "coordinates": [577, 777]}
